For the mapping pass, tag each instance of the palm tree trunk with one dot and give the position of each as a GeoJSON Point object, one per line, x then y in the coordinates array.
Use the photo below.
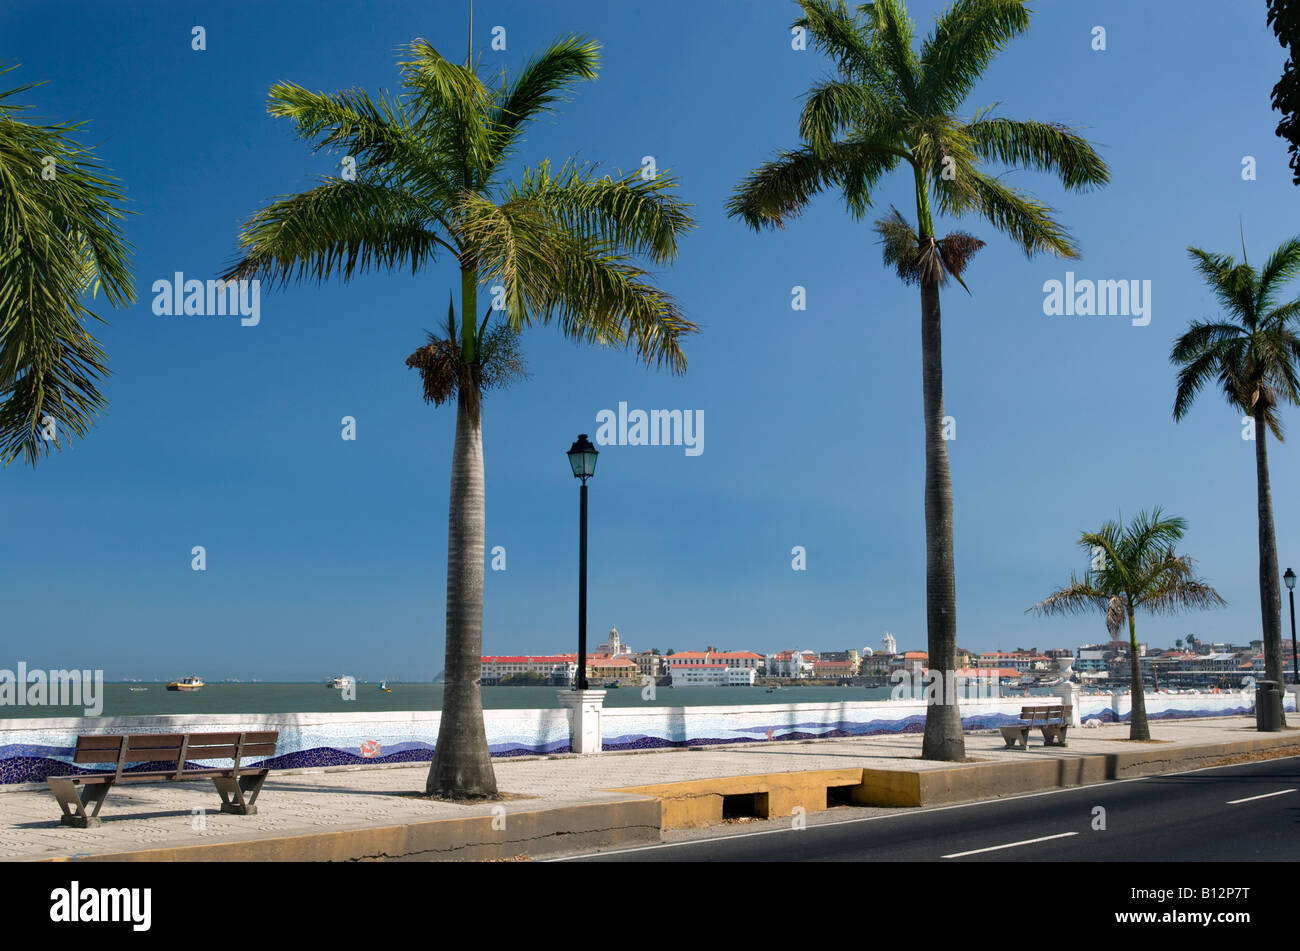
{"type": "Point", "coordinates": [943, 737]}
{"type": "Point", "coordinates": [1138, 727]}
{"type": "Point", "coordinates": [1270, 591]}
{"type": "Point", "coordinates": [462, 766]}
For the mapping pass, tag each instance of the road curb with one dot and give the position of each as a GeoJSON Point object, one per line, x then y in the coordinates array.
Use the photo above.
{"type": "Point", "coordinates": [704, 802]}
{"type": "Point", "coordinates": [512, 835]}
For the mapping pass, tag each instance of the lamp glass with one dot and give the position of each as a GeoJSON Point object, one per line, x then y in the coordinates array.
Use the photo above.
{"type": "Point", "coordinates": [582, 458]}
{"type": "Point", "coordinates": [1289, 578]}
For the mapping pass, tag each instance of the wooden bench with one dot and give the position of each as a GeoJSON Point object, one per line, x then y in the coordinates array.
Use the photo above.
{"type": "Point", "coordinates": [238, 785]}
{"type": "Point", "coordinates": [1054, 721]}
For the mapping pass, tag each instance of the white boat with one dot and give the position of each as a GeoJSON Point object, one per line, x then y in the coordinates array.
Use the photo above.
{"type": "Point", "coordinates": [337, 683]}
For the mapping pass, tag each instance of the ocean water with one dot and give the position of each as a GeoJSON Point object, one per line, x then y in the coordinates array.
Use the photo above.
{"type": "Point", "coordinates": [120, 700]}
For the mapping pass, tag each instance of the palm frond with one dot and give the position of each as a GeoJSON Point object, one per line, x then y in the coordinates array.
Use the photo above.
{"type": "Point", "coordinates": [60, 238]}
{"type": "Point", "coordinates": [1283, 265]}
{"type": "Point", "coordinates": [338, 228]}
{"type": "Point", "coordinates": [892, 44]}
{"type": "Point", "coordinates": [1023, 218]}
{"type": "Point", "coordinates": [540, 85]}
{"type": "Point", "coordinates": [778, 191]}
{"type": "Point", "coordinates": [1043, 146]}
{"type": "Point", "coordinates": [1077, 597]}
{"type": "Point", "coordinates": [641, 216]}
{"type": "Point", "coordinates": [964, 41]}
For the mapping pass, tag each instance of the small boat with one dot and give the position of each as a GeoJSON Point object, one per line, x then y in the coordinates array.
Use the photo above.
{"type": "Point", "coordinates": [337, 683]}
{"type": "Point", "coordinates": [384, 688]}
{"type": "Point", "coordinates": [137, 689]}
{"type": "Point", "coordinates": [612, 686]}
{"type": "Point", "coordinates": [186, 684]}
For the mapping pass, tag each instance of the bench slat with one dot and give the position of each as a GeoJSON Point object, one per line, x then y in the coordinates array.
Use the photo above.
{"type": "Point", "coordinates": [159, 747]}
{"type": "Point", "coordinates": [228, 752]}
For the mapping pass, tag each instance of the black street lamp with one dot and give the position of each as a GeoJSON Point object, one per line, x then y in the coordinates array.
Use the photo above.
{"type": "Point", "coordinates": [582, 457]}
{"type": "Point", "coordinates": [1289, 578]}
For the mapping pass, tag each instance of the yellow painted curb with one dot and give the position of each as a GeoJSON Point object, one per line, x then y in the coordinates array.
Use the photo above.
{"type": "Point", "coordinates": [701, 802]}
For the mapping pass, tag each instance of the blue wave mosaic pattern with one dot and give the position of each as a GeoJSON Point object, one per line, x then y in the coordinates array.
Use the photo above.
{"type": "Point", "coordinates": [31, 750]}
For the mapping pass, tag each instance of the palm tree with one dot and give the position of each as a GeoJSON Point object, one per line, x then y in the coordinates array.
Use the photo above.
{"type": "Point", "coordinates": [60, 240]}
{"type": "Point", "coordinates": [887, 105]}
{"type": "Point", "coordinates": [1252, 354]}
{"type": "Point", "coordinates": [1137, 570]}
{"type": "Point", "coordinates": [430, 178]}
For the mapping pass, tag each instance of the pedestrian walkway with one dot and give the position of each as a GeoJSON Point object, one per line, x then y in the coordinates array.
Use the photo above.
{"type": "Point", "coordinates": [310, 803]}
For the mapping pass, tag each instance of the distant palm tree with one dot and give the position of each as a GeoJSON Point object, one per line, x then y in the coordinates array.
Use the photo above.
{"type": "Point", "coordinates": [430, 171]}
{"type": "Point", "coordinates": [1252, 354]}
{"type": "Point", "coordinates": [1133, 568]}
{"type": "Point", "coordinates": [60, 240]}
{"type": "Point", "coordinates": [887, 106]}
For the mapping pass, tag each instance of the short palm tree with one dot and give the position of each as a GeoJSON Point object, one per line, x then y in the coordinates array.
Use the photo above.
{"type": "Point", "coordinates": [1252, 354]}
{"type": "Point", "coordinates": [887, 106]}
{"type": "Point", "coordinates": [61, 243]}
{"type": "Point", "coordinates": [430, 179]}
{"type": "Point", "coordinates": [1133, 568]}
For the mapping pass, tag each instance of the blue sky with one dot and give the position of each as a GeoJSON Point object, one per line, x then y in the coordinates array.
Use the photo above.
{"type": "Point", "coordinates": [325, 555]}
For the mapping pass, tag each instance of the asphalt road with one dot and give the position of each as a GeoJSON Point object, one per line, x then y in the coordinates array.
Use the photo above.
{"type": "Point", "coordinates": [1183, 817]}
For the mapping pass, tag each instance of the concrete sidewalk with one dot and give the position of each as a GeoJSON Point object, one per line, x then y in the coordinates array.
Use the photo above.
{"type": "Point", "coordinates": [564, 803]}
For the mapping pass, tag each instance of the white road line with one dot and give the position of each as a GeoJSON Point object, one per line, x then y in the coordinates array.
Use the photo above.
{"type": "Point", "coordinates": [909, 811]}
{"type": "Point", "coordinates": [1010, 845]}
{"type": "Point", "coordinates": [1281, 792]}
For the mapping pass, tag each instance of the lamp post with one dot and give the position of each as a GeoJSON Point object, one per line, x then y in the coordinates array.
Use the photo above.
{"type": "Point", "coordinates": [582, 458]}
{"type": "Point", "coordinates": [1289, 578]}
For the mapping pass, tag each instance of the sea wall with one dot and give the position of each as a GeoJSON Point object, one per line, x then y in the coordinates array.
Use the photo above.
{"type": "Point", "coordinates": [32, 749]}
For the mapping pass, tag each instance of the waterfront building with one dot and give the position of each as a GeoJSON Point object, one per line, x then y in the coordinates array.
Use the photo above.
{"type": "Point", "coordinates": [879, 665]}
{"type": "Point", "coordinates": [602, 668]}
{"type": "Point", "coordinates": [712, 675]}
{"type": "Point", "coordinates": [650, 665]}
{"type": "Point", "coordinates": [833, 669]}
{"type": "Point", "coordinates": [744, 659]}
{"type": "Point", "coordinates": [791, 665]}
{"type": "Point", "coordinates": [559, 668]}
{"type": "Point", "coordinates": [613, 646]}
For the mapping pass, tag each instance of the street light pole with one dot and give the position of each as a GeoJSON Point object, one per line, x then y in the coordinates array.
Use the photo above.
{"type": "Point", "coordinates": [582, 590]}
{"type": "Point", "coordinates": [1289, 578]}
{"type": "Point", "coordinates": [582, 458]}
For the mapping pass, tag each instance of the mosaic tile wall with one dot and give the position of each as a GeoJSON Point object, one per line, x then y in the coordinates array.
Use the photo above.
{"type": "Point", "coordinates": [31, 750]}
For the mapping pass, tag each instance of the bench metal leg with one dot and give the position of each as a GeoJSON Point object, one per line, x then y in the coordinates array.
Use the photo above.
{"type": "Point", "coordinates": [239, 795]}
{"type": "Point", "coordinates": [1015, 737]}
{"type": "Point", "coordinates": [74, 804]}
{"type": "Point", "coordinates": [1054, 736]}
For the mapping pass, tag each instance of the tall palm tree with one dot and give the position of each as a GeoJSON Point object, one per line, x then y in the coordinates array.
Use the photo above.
{"type": "Point", "coordinates": [61, 243]}
{"type": "Point", "coordinates": [888, 105]}
{"type": "Point", "coordinates": [1252, 353]}
{"type": "Point", "coordinates": [1138, 571]}
{"type": "Point", "coordinates": [431, 178]}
